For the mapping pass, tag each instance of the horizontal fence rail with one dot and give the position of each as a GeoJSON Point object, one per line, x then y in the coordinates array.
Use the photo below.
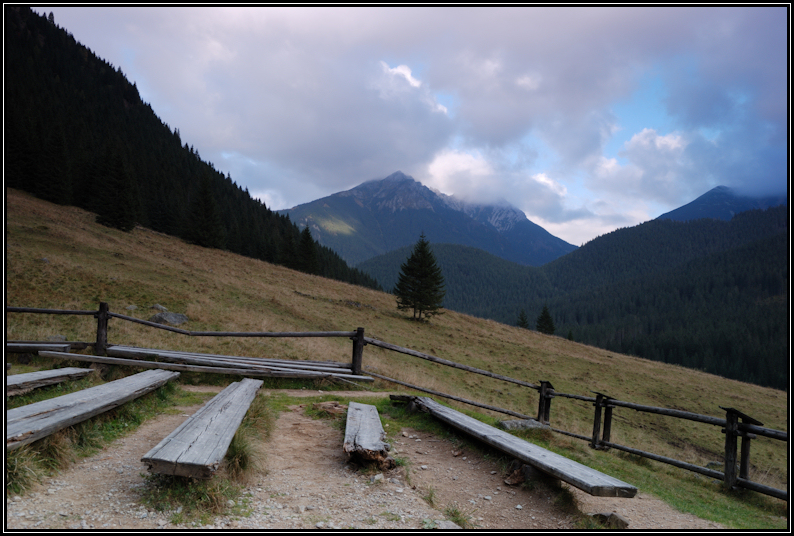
{"type": "Point", "coordinates": [735, 425]}
{"type": "Point", "coordinates": [451, 397]}
{"type": "Point", "coordinates": [440, 361]}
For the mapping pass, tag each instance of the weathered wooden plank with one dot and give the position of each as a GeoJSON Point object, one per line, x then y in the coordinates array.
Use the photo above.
{"type": "Point", "coordinates": [147, 351]}
{"type": "Point", "coordinates": [197, 447]}
{"type": "Point", "coordinates": [35, 421]}
{"type": "Point", "coordinates": [75, 345]}
{"type": "Point", "coordinates": [364, 435]}
{"type": "Point", "coordinates": [221, 360]}
{"type": "Point", "coordinates": [578, 475]}
{"type": "Point", "coordinates": [34, 347]}
{"type": "Point", "coordinates": [17, 383]}
{"type": "Point", "coordinates": [214, 370]}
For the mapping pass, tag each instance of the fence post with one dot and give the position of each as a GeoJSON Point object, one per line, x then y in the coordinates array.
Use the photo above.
{"type": "Point", "coordinates": [544, 402]}
{"type": "Point", "coordinates": [744, 465]}
{"type": "Point", "coordinates": [731, 429]}
{"type": "Point", "coordinates": [607, 433]}
{"type": "Point", "coordinates": [101, 329]}
{"type": "Point", "coordinates": [358, 351]}
{"type": "Point", "coordinates": [597, 420]}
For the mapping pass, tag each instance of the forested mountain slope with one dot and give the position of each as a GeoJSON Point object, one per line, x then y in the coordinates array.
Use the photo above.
{"type": "Point", "coordinates": [706, 294]}
{"type": "Point", "coordinates": [77, 132]}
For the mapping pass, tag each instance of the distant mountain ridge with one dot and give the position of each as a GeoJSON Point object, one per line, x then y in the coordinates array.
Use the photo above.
{"type": "Point", "coordinates": [382, 215]}
{"type": "Point", "coordinates": [721, 203]}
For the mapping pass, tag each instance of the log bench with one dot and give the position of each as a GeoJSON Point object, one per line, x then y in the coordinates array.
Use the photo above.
{"type": "Point", "coordinates": [35, 347]}
{"type": "Point", "coordinates": [197, 447]}
{"type": "Point", "coordinates": [364, 436]}
{"type": "Point", "coordinates": [19, 383]}
{"type": "Point", "coordinates": [257, 366]}
{"type": "Point", "coordinates": [35, 421]}
{"type": "Point", "coordinates": [578, 475]}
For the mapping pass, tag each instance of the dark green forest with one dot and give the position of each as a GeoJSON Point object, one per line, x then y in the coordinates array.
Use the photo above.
{"type": "Point", "coordinates": [78, 133]}
{"type": "Point", "coordinates": [705, 294]}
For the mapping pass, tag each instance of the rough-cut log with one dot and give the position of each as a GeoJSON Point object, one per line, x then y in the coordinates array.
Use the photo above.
{"type": "Point", "coordinates": [252, 360]}
{"type": "Point", "coordinates": [197, 447]}
{"type": "Point", "coordinates": [574, 473]}
{"type": "Point", "coordinates": [73, 345]}
{"type": "Point", "coordinates": [224, 361]}
{"type": "Point", "coordinates": [34, 347]}
{"type": "Point", "coordinates": [213, 370]}
{"type": "Point", "coordinates": [364, 435]}
{"type": "Point", "coordinates": [35, 421]}
{"type": "Point", "coordinates": [18, 383]}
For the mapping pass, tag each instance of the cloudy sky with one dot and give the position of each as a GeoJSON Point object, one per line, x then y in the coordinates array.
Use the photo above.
{"type": "Point", "coordinates": [587, 119]}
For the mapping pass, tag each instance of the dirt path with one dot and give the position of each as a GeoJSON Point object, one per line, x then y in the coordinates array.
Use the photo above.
{"type": "Point", "coordinates": [309, 484]}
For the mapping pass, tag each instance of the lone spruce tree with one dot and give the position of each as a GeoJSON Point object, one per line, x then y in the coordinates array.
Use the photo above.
{"type": "Point", "coordinates": [545, 324]}
{"type": "Point", "coordinates": [420, 285]}
{"type": "Point", "coordinates": [523, 321]}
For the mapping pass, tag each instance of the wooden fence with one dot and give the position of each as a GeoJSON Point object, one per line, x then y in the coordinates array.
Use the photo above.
{"type": "Point", "coordinates": [735, 425]}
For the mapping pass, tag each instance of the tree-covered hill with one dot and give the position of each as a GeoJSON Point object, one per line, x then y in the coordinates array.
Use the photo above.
{"type": "Point", "coordinates": [705, 294]}
{"type": "Point", "coordinates": [77, 132]}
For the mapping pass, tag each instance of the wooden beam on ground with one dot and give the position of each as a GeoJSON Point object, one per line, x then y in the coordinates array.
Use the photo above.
{"type": "Point", "coordinates": [19, 383]}
{"type": "Point", "coordinates": [578, 475]}
{"type": "Point", "coordinates": [253, 360]}
{"type": "Point", "coordinates": [212, 370]}
{"type": "Point", "coordinates": [29, 423]}
{"type": "Point", "coordinates": [75, 345]}
{"type": "Point", "coordinates": [34, 347]}
{"type": "Point", "coordinates": [220, 361]}
{"type": "Point", "coordinates": [364, 435]}
{"type": "Point", "coordinates": [197, 447]}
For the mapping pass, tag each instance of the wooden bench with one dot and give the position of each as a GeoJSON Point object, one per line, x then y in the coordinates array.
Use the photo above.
{"type": "Point", "coordinates": [257, 366]}
{"type": "Point", "coordinates": [19, 383]}
{"type": "Point", "coordinates": [35, 347]}
{"type": "Point", "coordinates": [574, 473]}
{"type": "Point", "coordinates": [236, 369]}
{"type": "Point", "coordinates": [35, 421]}
{"type": "Point", "coordinates": [197, 447]}
{"type": "Point", "coordinates": [364, 435]}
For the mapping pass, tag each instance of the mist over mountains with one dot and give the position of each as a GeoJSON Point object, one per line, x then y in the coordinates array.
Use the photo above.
{"type": "Point", "coordinates": [379, 216]}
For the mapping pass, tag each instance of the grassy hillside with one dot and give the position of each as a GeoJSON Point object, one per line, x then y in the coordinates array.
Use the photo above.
{"type": "Point", "coordinates": [58, 257]}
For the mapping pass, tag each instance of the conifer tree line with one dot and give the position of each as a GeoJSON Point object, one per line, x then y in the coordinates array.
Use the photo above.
{"type": "Point", "coordinates": [78, 133]}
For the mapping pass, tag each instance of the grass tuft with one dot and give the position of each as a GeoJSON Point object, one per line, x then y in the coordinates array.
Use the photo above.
{"type": "Point", "coordinates": [23, 469]}
{"type": "Point", "coordinates": [243, 458]}
{"type": "Point", "coordinates": [194, 500]}
{"type": "Point", "coordinates": [429, 496]}
{"type": "Point", "coordinates": [459, 516]}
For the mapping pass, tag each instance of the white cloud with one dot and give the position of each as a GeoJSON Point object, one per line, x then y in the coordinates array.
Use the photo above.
{"type": "Point", "coordinates": [530, 83]}
{"type": "Point", "coordinates": [546, 182]}
{"type": "Point", "coordinates": [464, 174]}
{"type": "Point", "coordinates": [401, 70]}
